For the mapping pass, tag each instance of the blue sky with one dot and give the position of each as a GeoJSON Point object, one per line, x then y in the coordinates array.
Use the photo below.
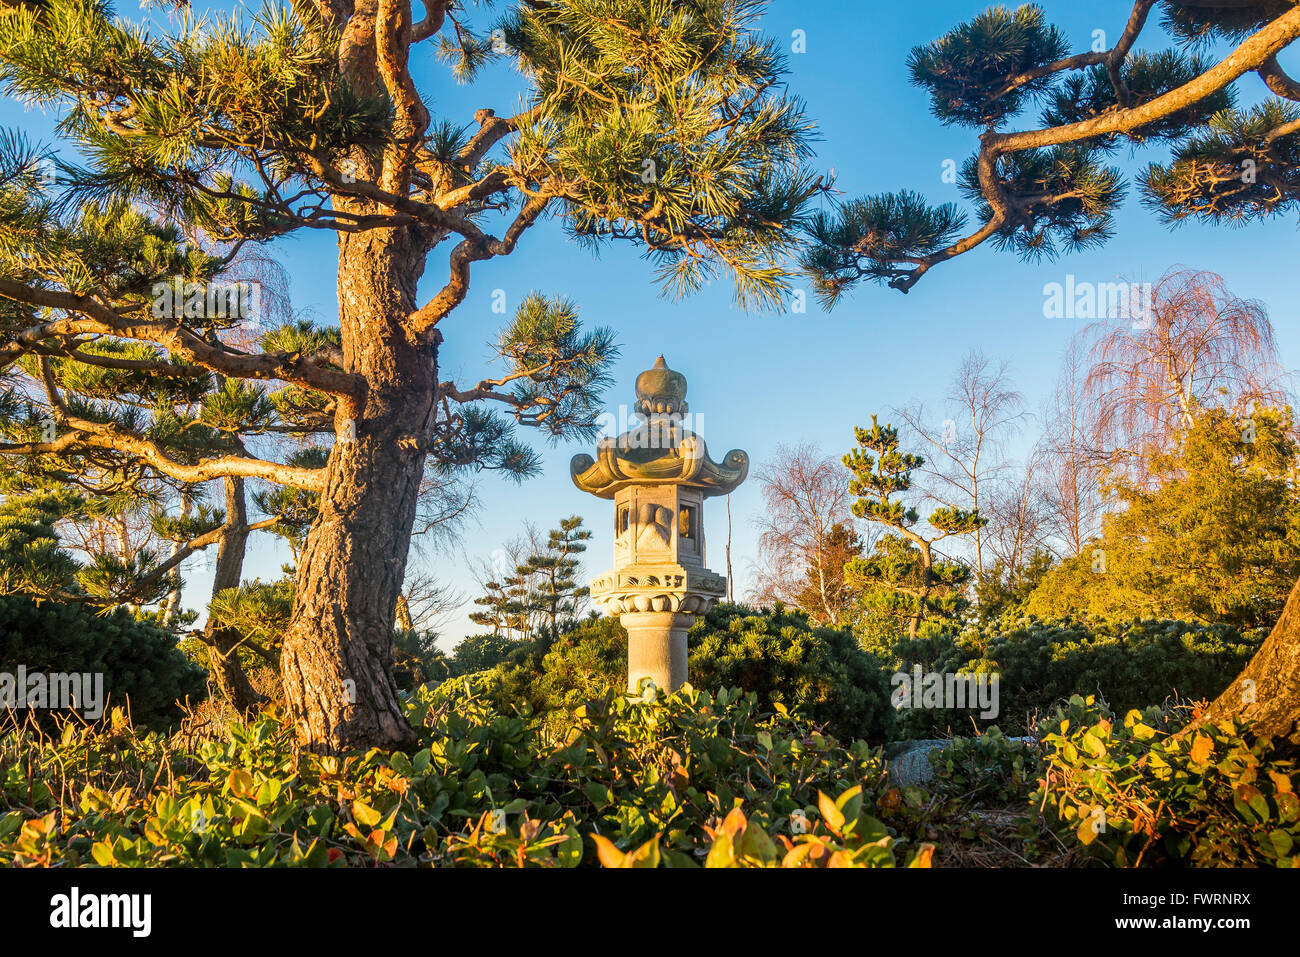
{"type": "Point", "coordinates": [762, 380]}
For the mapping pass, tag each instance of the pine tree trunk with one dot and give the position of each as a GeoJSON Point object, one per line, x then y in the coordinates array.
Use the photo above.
{"type": "Point", "coordinates": [223, 643]}
{"type": "Point", "coordinates": [228, 671]}
{"type": "Point", "coordinates": [1265, 697]}
{"type": "Point", "coordinates": [927, 563]}
{"type": "Point", "coordinates": [172, 604]}
{"type": "Point", "coordinates": [337, 661]}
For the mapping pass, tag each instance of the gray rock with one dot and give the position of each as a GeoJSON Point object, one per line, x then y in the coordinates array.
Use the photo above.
{"type": "Point", "coordinates": [913, 765]}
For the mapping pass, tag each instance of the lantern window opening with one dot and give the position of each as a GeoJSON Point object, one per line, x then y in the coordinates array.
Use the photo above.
{"type": "Point", "coordinates": [686, 522]}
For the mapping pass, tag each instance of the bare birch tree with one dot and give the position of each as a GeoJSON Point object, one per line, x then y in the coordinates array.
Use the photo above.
{"type": "Point", "coordinates": [1071, 463]}
{"type": "Point", "coordinates": [967, 442]}
{"type": "Point", "coordinates": [806, 495]}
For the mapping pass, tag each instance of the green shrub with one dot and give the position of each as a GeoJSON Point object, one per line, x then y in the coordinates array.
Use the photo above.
{"type": "Point", "coordinates": [990, 768]}
{"type": "Point", "coordinates": [582, 664]}
{"type": "Point", "coordinates": [1130, 664]}
{"type": "Point", "coordinates": [1137, 792]}
{"type": "Point", "coordinates": [820, 673]}
{"type": "Point", "coordinates": [140, 661]}
{"type": "Point", "coordinates": [1216, 538]}
{"type": "Point", "coordinates": [481, 652]}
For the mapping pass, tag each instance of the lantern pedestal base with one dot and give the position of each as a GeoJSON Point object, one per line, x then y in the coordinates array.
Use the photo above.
{"type": "Point", "coordinates": [656, 648]}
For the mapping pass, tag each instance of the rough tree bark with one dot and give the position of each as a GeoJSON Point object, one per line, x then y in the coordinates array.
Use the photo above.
{"type": "Point", "coordinates": [1265, 697]}
{"type": "Point", "coordinates": [338, 654]}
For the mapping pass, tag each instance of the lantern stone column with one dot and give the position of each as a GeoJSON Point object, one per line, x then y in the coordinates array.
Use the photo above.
{"type": "Point", "coordinates": [658, 475]}
{"type": "Point", "coordinates": [656, 647]}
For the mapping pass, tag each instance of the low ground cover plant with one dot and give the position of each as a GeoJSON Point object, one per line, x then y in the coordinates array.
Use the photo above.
{"type": "Point", "coordinates": [682, 780]}
{"type": "Point", "coordinates": [677, 775]}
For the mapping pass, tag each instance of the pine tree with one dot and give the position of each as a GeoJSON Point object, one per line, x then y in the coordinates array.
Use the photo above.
{"type": "Point", "coordinates": [33, 561]}
{"type": "Point", "coordinates": [521, 611]}
{"type": "Point", "coordinates": [542, 592]}
{"type": "Point", "coordinates": [557, 566]}
{"type": "Point", "coordinates": [1047, 189]}
{"type": "Point", "coordinates": [136, 523]}
{"type": "Point", "coordinates": [496, 604]}
{"type": "Point", "coordinates": [904, 577]}
{"type": "Point", "coordinates": [659, 123]}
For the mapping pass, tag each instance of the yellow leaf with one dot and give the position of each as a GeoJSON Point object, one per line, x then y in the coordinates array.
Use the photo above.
{"type": "Point", "coordinates": [924, 856]}
{"type": "Point", "coordinates": [240, 782]}
{"type": "Point", "coordinates": [1093, 745]}
{"type": "Point", "coordinates": [102, 852]}
{"type": "Point", "coordinates": [610, 856]}
{"type": "Point", "coordinates": [834, 819]}
{"type": "Point", "coordinates": [365, 814]}
{"type": "Point", "coordinates": [797, 856]}
{"type": "Point", "coordinates": [735, 822]}
{"type": "Point", "coordinates": [723, 851]}
{"type": "Point", "coordinates": [848, 796]}
{"type": "Point", "coordinates": [1202, 749]}
{"type": "Point", "coordinates": [381, 843]}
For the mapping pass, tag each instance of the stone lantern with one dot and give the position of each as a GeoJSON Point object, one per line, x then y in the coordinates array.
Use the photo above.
{"type": "Point", "coordinates": [658, 475]}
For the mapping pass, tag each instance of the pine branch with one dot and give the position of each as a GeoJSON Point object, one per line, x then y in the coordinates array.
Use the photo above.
{"type": "Point", "coordinates": [1011, 220]}
{"type": "Point", "coordinates": [308, 371]}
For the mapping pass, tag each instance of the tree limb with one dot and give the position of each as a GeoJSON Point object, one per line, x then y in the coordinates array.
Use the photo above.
{"type": "Point", "coordinates": [305, 371]}
{"type": "Point", "coordinates": [1253, 53]}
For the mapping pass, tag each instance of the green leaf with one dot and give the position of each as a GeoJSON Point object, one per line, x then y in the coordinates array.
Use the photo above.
{"type": "Point", "coordinates": [1250, 802]}
{"type": "Point", "coordinates": [1282, 841]}
{"type": "Point", "coordinates": [645, 856]}
{"type": "Point", "coordinates": [400, 763]}
{"type": "Point", "coordinates": [1093, 744]}
{"type": "Point", "coordinates": [102, 852]}
{"type": "Point", "coordinates": [420, 763]}
{"type": "Point", "coordinates": [1288, 807]}
{"type": "Point", "coordinates": [268, 792]}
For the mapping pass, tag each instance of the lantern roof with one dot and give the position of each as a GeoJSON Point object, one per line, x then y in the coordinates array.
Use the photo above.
{"type": "Point", "coordinates": [662, 449]}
